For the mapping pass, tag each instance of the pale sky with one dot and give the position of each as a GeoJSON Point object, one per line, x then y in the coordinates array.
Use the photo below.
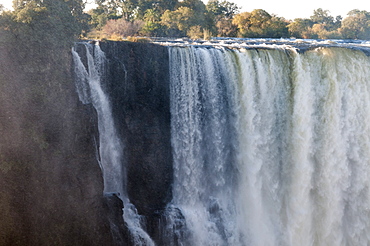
{"type": "Point", "coordinates": [289, 9]}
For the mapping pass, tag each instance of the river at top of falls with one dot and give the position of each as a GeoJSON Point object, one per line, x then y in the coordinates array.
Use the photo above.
{"type": "Point", "coordinates": [265, 43]}
{"type": "Point", "coordinates": [271, 146]}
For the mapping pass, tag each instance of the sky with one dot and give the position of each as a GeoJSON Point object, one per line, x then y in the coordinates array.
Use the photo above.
{"type": "Point", "coordinates": [289, 9]}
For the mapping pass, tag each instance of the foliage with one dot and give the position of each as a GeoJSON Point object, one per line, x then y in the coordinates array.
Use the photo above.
{"type": "Point", "coordinates": [221, 14]}
{"type": "Point", "coordinates": [152, 24]}
{"type": "Point", "coordinates": [221, 18]}
{"type": "Point", "coordinates": [195, 32]}
{"type": "Point", "coordinates": [328, 22]}
{"type": "Point", "coordinates": [49, 22]}
{"type": "Point", "coordinates": [64, 20]}
{"type": "Point", "coordinates": [98, 18]}
{"type": "Point", "coordinates": [321, 31]}
{"type": "Point", "coordinates": [356, 25]}
{"type": "Point", "coordinates": [199, 16]}
{"type": "Point", "coordinates": [322, 16]}
{"type": "Point", "coordinates": [122, 28]}
{"type": "Point", "coordinates": [207, 34]}
{"type": "Point", "coordinates": [259, 23]}
{"type": "Point", "coordinates": [320, 25]}
{"type": "Point", "coordinates": [222, 10]}
{"type": "Point", "coordinates": [226, 28]}
{"type": "Point", "coordinates": [178, 21]}
{"type": "Point", "coordinates": [301, 28]}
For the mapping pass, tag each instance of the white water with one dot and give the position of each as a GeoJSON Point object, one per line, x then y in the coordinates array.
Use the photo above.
{"type": "Point", "coordinates": [89, 86]}
{"type": "Point", "coordinates": [271, 147]}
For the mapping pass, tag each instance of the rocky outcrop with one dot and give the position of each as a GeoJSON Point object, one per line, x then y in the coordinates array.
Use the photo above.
{"type": "Point", "coordinates": [51, 184]}
{"type": "Point", "coordinates": [138, 84]}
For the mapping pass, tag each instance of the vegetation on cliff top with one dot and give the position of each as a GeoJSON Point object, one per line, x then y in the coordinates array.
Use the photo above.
{"type": "Point", "coordinates": [221, 18]}
{"type": "Point", "coordinates": [63, 20]}
{"type": "Point", "coordinates": [43, 21]}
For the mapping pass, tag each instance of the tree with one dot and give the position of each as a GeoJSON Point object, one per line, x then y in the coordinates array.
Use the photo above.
{"type": "Point", "coordinates": [199, 11]}
{"type": "Point", "coordinates": [221, 14]}
{"type": "Point", "coordinates": [324, 18]}
{"type": "Point", "coordinates": [195, 32]}
{"type": "Point", "coordinates": [259, 23]}
{"type": "Point", "coordinates": [163, 5]}
{"type": "Point", "coordinates": [122, 28]}
{"type": "Point", "coordinates": [48, 20]}
{"type": "Point", "coordinates": [222, 10]}
{"type": "Point", "coordinates": [190, 13]}
{"type": "Point", "coordinates": [226, 28]}
{"type": "Point", "coordinates": [320, 31]}
{"type": "Point", "coordinates": [98, 18]}
{"type": "Point", "coordinates": [301, 28]}
{"type": "Point", "coordinates": [356, 25]}
{"type": "Point", "coordinates": [178, 21]}
{"type": "Point", "coordinates": [152, 23]}
{"type": "Point", "coordinates": [115, 9]}
{"type": "Point", "coordinates": [320, 25]}
{"type": "Point", "coordinates": [277, 27]}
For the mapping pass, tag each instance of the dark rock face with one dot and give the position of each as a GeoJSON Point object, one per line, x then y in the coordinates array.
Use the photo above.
{"type": "Point", "coordinates": [114, 205]}
{"type": "Point", "coordinates": [51, 184]}
{"type": "Point", "coordinates": [138, 84]}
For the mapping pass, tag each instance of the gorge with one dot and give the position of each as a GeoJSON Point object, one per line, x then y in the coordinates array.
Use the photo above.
{"type": "Point", "coordinates": [231, 142]}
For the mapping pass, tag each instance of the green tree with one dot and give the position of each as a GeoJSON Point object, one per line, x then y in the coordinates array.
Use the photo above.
{"type": "Point", "coordinates": [320, 31]}
{"type": "Point", "coordinates": [252, 24]}
{"type": "Point", "coordinates": [98, 18]}
{"type": "Point", "coordinates": [226, 28]}
{"type": "Point", "coordinates": [259, 23]}
{"type": "Point", "coordinates": [190, 14]}
{"type": "Point", "coordinates": [324, 18]}
{"type": "Point", "coordinates": [221, 14]}
{"type": "Point", "coordinates": [195, 32]}
{"type": "Point", "coordinates": [163, 5]}
{"type": "Point", "coordinates": [115, 9]}
{"type": "Point", "coordinates": [199, 12]}
{"type": "Point", "coordinates": [178, 21]}
{"type": "Point", "coordinates": [134, 9]}
{"type": "Point", "coordinates": [152, 23]}
{"type": "Point", "coordinates": [222, 10]}
{"type": "Point", "coordinates": [48, 20]}
{"type": "Point", "coordinates": [277, 27]}
{"type": "Point", "coordinates": [356, 25]}
{"type": "Point", "coordinates": [301, 28]}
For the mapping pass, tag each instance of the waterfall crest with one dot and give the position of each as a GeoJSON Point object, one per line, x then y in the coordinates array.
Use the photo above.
{"type": "Point", "coordinates": [271, 146]}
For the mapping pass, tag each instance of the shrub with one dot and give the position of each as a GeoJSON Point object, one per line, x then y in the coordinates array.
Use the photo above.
{"type": "Point", "coordinates": [122, 28]}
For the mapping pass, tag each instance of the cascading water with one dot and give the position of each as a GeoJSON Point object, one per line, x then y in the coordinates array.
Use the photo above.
{"type": "Point", "coordinates": [271, 146]}
{"type": "Point", "coordinates": [270, 143]}
{"type": "Point", "coordinates": [90, 89]}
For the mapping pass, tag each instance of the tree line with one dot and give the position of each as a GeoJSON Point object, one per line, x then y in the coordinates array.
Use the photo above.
{"type": "Point", "coordinates": [50, 22]}
{"type": "Point", "coordinates": [221, 18]}
{"type": "Point", "coordinates": [186, 18]}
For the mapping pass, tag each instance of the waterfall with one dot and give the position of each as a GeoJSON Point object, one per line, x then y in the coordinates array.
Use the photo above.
{"type": "Point", "coordinates": [270, 146]}
{"type": "Point", "coordinates": [270, 143]}
{"type": "Point", "coordinates": [90, 87]}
